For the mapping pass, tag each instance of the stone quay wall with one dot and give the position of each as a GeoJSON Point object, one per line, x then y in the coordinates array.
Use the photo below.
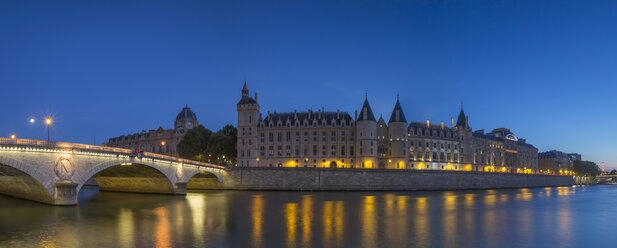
{"type": "Point", "coordinates": [380, 179]}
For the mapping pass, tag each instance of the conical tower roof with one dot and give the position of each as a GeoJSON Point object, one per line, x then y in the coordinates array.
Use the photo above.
{"type": "Point", "coordinates": [461, 121]}
{"type": "Point", "coordinates": [397, 113]}
{"type": "Point", "coordinates": [366, 113]}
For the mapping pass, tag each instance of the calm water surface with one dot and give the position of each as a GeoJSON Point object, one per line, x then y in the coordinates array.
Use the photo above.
{"type": "Point", "coordinates": [538, 217]}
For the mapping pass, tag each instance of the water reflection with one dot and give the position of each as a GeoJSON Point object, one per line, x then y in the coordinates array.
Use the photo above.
{"type": "Point", "coordinates": [126, 227]}
{"type": "Point", "coordinates": [307, 217]}
{"type": "Point", "coordinates": [368, 221]}
{"type": "Point", "coordinates": [534, 217]}
{"type": "Point", "coordinates": [162, 237]}
{"type": "Point", "coordinates": [422, 226]}
{"type": "Point", "coordinates": [257, 212]}
{"type": "Point", "coordinates": [291, 216]}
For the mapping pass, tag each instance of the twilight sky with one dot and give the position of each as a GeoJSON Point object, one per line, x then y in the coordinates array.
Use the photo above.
{"type": "Point", "coordinates": [545, 69]}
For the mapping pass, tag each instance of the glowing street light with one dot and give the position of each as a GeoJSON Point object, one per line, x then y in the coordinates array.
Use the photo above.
{"type": "Point", "coordinates": [31, 120]}
{"type": "Point", "coordinates": [162, 143]}
{"type": "Point", "coordinates": [48, 122]}
{"type": "Point", "coordinates": [12, 136]}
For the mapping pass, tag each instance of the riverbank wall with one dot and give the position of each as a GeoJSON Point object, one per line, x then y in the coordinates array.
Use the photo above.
{"type": "Point", "coordinates": [327, 179]}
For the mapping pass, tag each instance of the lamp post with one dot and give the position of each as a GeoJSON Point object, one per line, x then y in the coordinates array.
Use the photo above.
{"type": "Point", "coordinates": [48, 122]}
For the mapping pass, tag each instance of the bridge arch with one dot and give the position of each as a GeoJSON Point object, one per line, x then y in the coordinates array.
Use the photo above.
{"type": "Point", "coordinates": [23, 180]}
{"type": "Point", "coordinates": [129, 176]}
{"type": "Point", "coordinates": [204, 179]}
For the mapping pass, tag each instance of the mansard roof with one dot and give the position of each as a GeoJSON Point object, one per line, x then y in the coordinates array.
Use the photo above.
{"type": "Point", "coordinates": [366, 113]}
{"type": "Point", "coordinates": [309, 116]}
{"type": "Point", "coordinates": [397, 113]}
{"type": "Point", "coordinates": [491, 136]}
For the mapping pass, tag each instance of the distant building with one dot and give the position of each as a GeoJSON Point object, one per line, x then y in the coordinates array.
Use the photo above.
{"type": "Point", "coordinates": [556, 162]}
{"type": "Point", "coordinates": [163, 141]}
{"type": "Point", "coordinates": [335, 139]}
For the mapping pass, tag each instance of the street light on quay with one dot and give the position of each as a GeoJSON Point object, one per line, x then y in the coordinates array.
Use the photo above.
{"type": "Point", "coordinates": [48, 123]}
{"type": "Point", "coordinates": [12, 136]}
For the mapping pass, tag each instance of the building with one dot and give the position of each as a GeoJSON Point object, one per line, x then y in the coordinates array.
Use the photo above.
{"type": "Point", "coordinates": [163, 141]}
{"type": "Point", "coordinates": [335, 139]}
{"type": "Point", "coordinates": [556, 162]}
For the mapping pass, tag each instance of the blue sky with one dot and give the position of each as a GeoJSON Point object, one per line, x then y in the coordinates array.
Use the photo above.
{"type": "Point", "coordinates": [545, 69]}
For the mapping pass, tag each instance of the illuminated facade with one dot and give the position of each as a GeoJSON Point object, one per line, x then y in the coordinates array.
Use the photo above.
{"type": "Point", "coordinates": [162, 141]}
{"type": "Point", "coordinates": [338, 140]}
{"type": "Point", "coordinates": [556, 162]}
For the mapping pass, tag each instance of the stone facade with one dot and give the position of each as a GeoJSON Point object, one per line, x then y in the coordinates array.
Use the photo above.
{"type": "Point", "coordinates": [323, 139]}
{"type": "Point", "coordinates": [162, 141]}
{"type": "Point", "coordinates": [556, 162]}
{"type": "Point", "coordinates": [323, 179]}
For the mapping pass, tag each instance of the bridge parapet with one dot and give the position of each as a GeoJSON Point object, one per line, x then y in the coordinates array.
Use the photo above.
{"type": "Point", "coordinates": [54, 146]}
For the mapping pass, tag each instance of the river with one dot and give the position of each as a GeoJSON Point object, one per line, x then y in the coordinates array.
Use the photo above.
{"type": "Point", "coordinates": [535, 217]}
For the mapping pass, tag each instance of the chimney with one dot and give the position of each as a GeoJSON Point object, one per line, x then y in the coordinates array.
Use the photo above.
{"type": "Point", "coordinates": [466, 120]}
{"type": "Point", "coordinates": [451, 122]}
{"type": "Point", "coordinates": [309, 113]}
{"type": "Point", "coordinates": [255, 96]}
{"type": "Point", "coordinates": [356, 115]}
{"type": "Point", "coordinates": [338, 114]}
{"type": "Point", "coordinates": [442, 125]}
{"type": "Point", "coordinates": [295, 114]}
{"type": "Point", "coordinates": [428, 123]}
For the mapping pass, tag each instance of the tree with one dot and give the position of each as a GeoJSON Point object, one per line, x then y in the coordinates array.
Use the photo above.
{"type": "Point", "coordinates": [586, 168]}
{"type": "Point", "coordinates": [194, 144]}
{"type": "Point", "coordinates": [613, 172]}
{"type": "Point", "coordinates": [201, 144]}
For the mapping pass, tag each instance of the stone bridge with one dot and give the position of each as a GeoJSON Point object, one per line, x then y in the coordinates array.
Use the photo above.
{"type": "Point", "coordinates": [54, 172]}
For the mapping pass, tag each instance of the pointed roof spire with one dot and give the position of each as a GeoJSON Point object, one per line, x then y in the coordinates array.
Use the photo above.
{"type": "Point", "coordinates": [461, 121]}
{"type": "Point", "coordinates": [366, 113]}
{"type": "Point", "coordinates": [397, 113]}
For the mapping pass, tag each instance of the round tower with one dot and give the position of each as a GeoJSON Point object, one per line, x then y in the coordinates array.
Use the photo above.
{"type": "Point", "coordinates": [366, 138]}
{"type": "Point", "coordinates": [397, 138]}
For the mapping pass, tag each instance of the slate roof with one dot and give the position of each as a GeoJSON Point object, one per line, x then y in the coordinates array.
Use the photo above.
{"type": "Point", "coordinates": [461, 121]}
{"type": "Point", "coordinates": [314, 116]}
{"type": "Point", "coordinates": [397, 113]}
{"type": "Point", "coordinates": [186, 114]}
{"type": "Point", "coordinates": [366, 113]}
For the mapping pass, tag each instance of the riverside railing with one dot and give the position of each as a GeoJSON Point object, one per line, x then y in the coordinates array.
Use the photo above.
{"type": "Point", "coordinates": [124, 151]}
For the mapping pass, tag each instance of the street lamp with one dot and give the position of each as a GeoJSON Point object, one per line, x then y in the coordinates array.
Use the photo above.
{"type": "Point", "coordinates": [12, 136]}
{"type": "Point", "coordinates": [48, 122]}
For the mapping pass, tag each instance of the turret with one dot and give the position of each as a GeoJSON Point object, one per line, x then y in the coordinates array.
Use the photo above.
{"type": "Point", "coordinates": [397, 131]}
{"type": "Point", "coordinates": [248, 119]}
{"type": "Point", "coordinates": [366, 138]}
{"type": "Point", "coordinates": [464, 134]}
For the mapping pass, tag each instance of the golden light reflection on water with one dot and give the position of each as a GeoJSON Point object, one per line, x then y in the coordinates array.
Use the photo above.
{"type": "Point", "coordinates": [524, 195]}
{"type": "Point", "coordinates": [449, 219]}
{"type": "Point", "coordinates": [402, 219]}
{"type": "Point", "coordinates": [422, 226]}
{"type": "Point", "coordinates": [257, 214]}
{"type": "Point", "coordinates": [291, 219]}
{"type": "Point", "coordinates": [197, 204]}
{"type": "Point", "coordinates": [307, 217]}
{"type": "Point", "coordinates": [469, 222]}
{"type": "Point", "coordinates": [563, 191]}
{"type": "Point", "coordinates": [162, 236]}
{"type": "Point", "coordinates": [368, 221]}
{"type": "Point", "coordinates": [338, 222]}
{"type": "Point", "coordinates": [328, 213]}
{"type": "Point", "coordinates": [126, 227]}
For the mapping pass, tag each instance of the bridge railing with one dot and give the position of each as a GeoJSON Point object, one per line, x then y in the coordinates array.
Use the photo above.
{"type": "Point", "coordinates": [68, 145]}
